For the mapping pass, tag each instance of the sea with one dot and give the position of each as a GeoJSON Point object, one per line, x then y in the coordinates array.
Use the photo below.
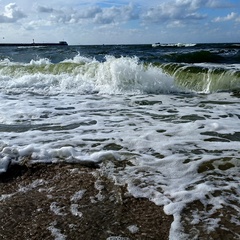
{"type": "Point", "coordinates": [161, 119]}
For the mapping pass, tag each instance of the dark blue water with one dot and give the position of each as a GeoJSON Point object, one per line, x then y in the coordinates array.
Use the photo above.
{"type": "Point", "coordinates": [210, 53]}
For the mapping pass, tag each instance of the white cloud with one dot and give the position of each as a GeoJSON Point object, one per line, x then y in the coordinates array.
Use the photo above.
{"type": "Point", "coordinates": [11, 14]}
{"type": "Point", "coordinates": [196, 4]}
{"type": "Point", "coordinates": [229, 17]}
{"type": "Point", "coordinates": [182, 10]}
{"type": "Point", "coordinates": [39, 24]}
{"type": "Point", "coordinates": [219, 4]}
{"type": "Point", "coordinates": [91, 14]}
{"type": "Point", "coordinates": [178, 10]}
{"type": "Point", "coordinates": [107, 16]}
{"type": "Point", "coordinates": [116, 14]}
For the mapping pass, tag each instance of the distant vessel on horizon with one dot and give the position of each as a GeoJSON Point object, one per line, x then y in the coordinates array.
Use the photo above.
{"type": "Point", "coordinates": [33, 44]}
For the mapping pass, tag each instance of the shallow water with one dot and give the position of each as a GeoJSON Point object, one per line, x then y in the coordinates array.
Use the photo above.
{"type": "Point", "coordinates": [168, 143]}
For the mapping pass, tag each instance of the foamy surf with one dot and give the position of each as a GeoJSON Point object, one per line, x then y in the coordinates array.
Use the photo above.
{"type": "Point", "coordinates": [133, 119]}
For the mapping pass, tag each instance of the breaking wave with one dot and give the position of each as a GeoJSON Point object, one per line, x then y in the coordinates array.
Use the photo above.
{"type": "Point", "coordinates": [122, 75]}
{"type": "Point", "coordinates": [204, 77]}
{"type": "Point", "coordinates": [85, 75]}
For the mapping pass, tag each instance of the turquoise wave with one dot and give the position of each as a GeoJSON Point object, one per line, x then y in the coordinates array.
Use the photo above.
{"type": "Point", "coordinates": [120, 75]}
{"type": "Point", "coordinates": [203, 78]}
{"type": "Point", "coordinates": [113, 76]}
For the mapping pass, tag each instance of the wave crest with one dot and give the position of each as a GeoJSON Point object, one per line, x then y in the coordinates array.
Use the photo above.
{"type": "Point", "coordinates": [204, 78]}
{"type": "Point", "coordinates": [84, 75]}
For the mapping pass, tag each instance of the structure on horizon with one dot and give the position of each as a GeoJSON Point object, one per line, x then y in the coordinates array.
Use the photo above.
{"type": "Point", "coordinates": [33, 44]}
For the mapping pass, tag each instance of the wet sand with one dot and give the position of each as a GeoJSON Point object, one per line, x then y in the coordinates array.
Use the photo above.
{"type": "Point", "coordinates": [69, 201]}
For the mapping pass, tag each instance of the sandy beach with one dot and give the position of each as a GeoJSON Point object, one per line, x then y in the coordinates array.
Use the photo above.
{"type": "Point", "coordinates": [69, 201]}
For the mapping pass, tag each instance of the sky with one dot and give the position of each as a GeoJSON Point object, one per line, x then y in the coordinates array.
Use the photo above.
{"type": "Point", "coordinates": [81, 22]}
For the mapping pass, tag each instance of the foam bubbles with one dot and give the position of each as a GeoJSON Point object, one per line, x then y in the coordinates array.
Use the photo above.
{"type": "Point", "coordinates": [55, 232]}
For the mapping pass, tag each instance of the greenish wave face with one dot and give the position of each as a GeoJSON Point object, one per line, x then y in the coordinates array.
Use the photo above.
{"type": "Point", "coordinates": [123, 74]}
{"type": "Point", "coordinates": [203, 79]}
{"type": "Point", "coordinates": [114, 75]}
{"type": "Point", "coordinates": [54, 69]}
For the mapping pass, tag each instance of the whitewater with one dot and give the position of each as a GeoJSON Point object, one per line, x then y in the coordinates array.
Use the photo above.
{"type": "Point", "coordinates": [162, 121]}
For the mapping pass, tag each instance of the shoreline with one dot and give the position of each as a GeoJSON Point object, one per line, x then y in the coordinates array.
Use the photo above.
{"type": "Point", "coordinates": [71, 201]}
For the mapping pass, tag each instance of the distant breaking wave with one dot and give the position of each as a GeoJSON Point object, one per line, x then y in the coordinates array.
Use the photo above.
{"type": "Point", "coordinates": [174, 45]}
{"type": "Point", "coordinates": [201, 45]}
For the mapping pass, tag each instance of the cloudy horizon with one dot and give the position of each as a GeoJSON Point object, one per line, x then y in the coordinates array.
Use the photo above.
{"type": "Point", "coordinates": [120, 22]}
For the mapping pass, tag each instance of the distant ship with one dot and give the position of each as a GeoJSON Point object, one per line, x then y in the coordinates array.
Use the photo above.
{"type": "Point", "coordinates": [33, 44]}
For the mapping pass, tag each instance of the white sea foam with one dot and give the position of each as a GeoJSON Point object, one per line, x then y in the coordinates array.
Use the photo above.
{"type": "Point", "coordinates": [56, 233]}
{"type": "Point", "coordinates": [4, 164]}
{"type": "Point", "coordinates": [117, 238]}
{"type": "Point", "coordinates": [74, 210]}
{"type": "Point", "coordinates": [170, 148]}
{"type": "Point", "coordinates": [133, 228]}
{"type": "Point", "coordinates": [34, 184]}
{"type": "Point", "coordinates": [79, 59]}
{"type": "Point", "coordinates": [57, 210]}
{"type": "Point", "coordinates": [42, 61]}
{"type": "Point", "coordinates": [78, 195]}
